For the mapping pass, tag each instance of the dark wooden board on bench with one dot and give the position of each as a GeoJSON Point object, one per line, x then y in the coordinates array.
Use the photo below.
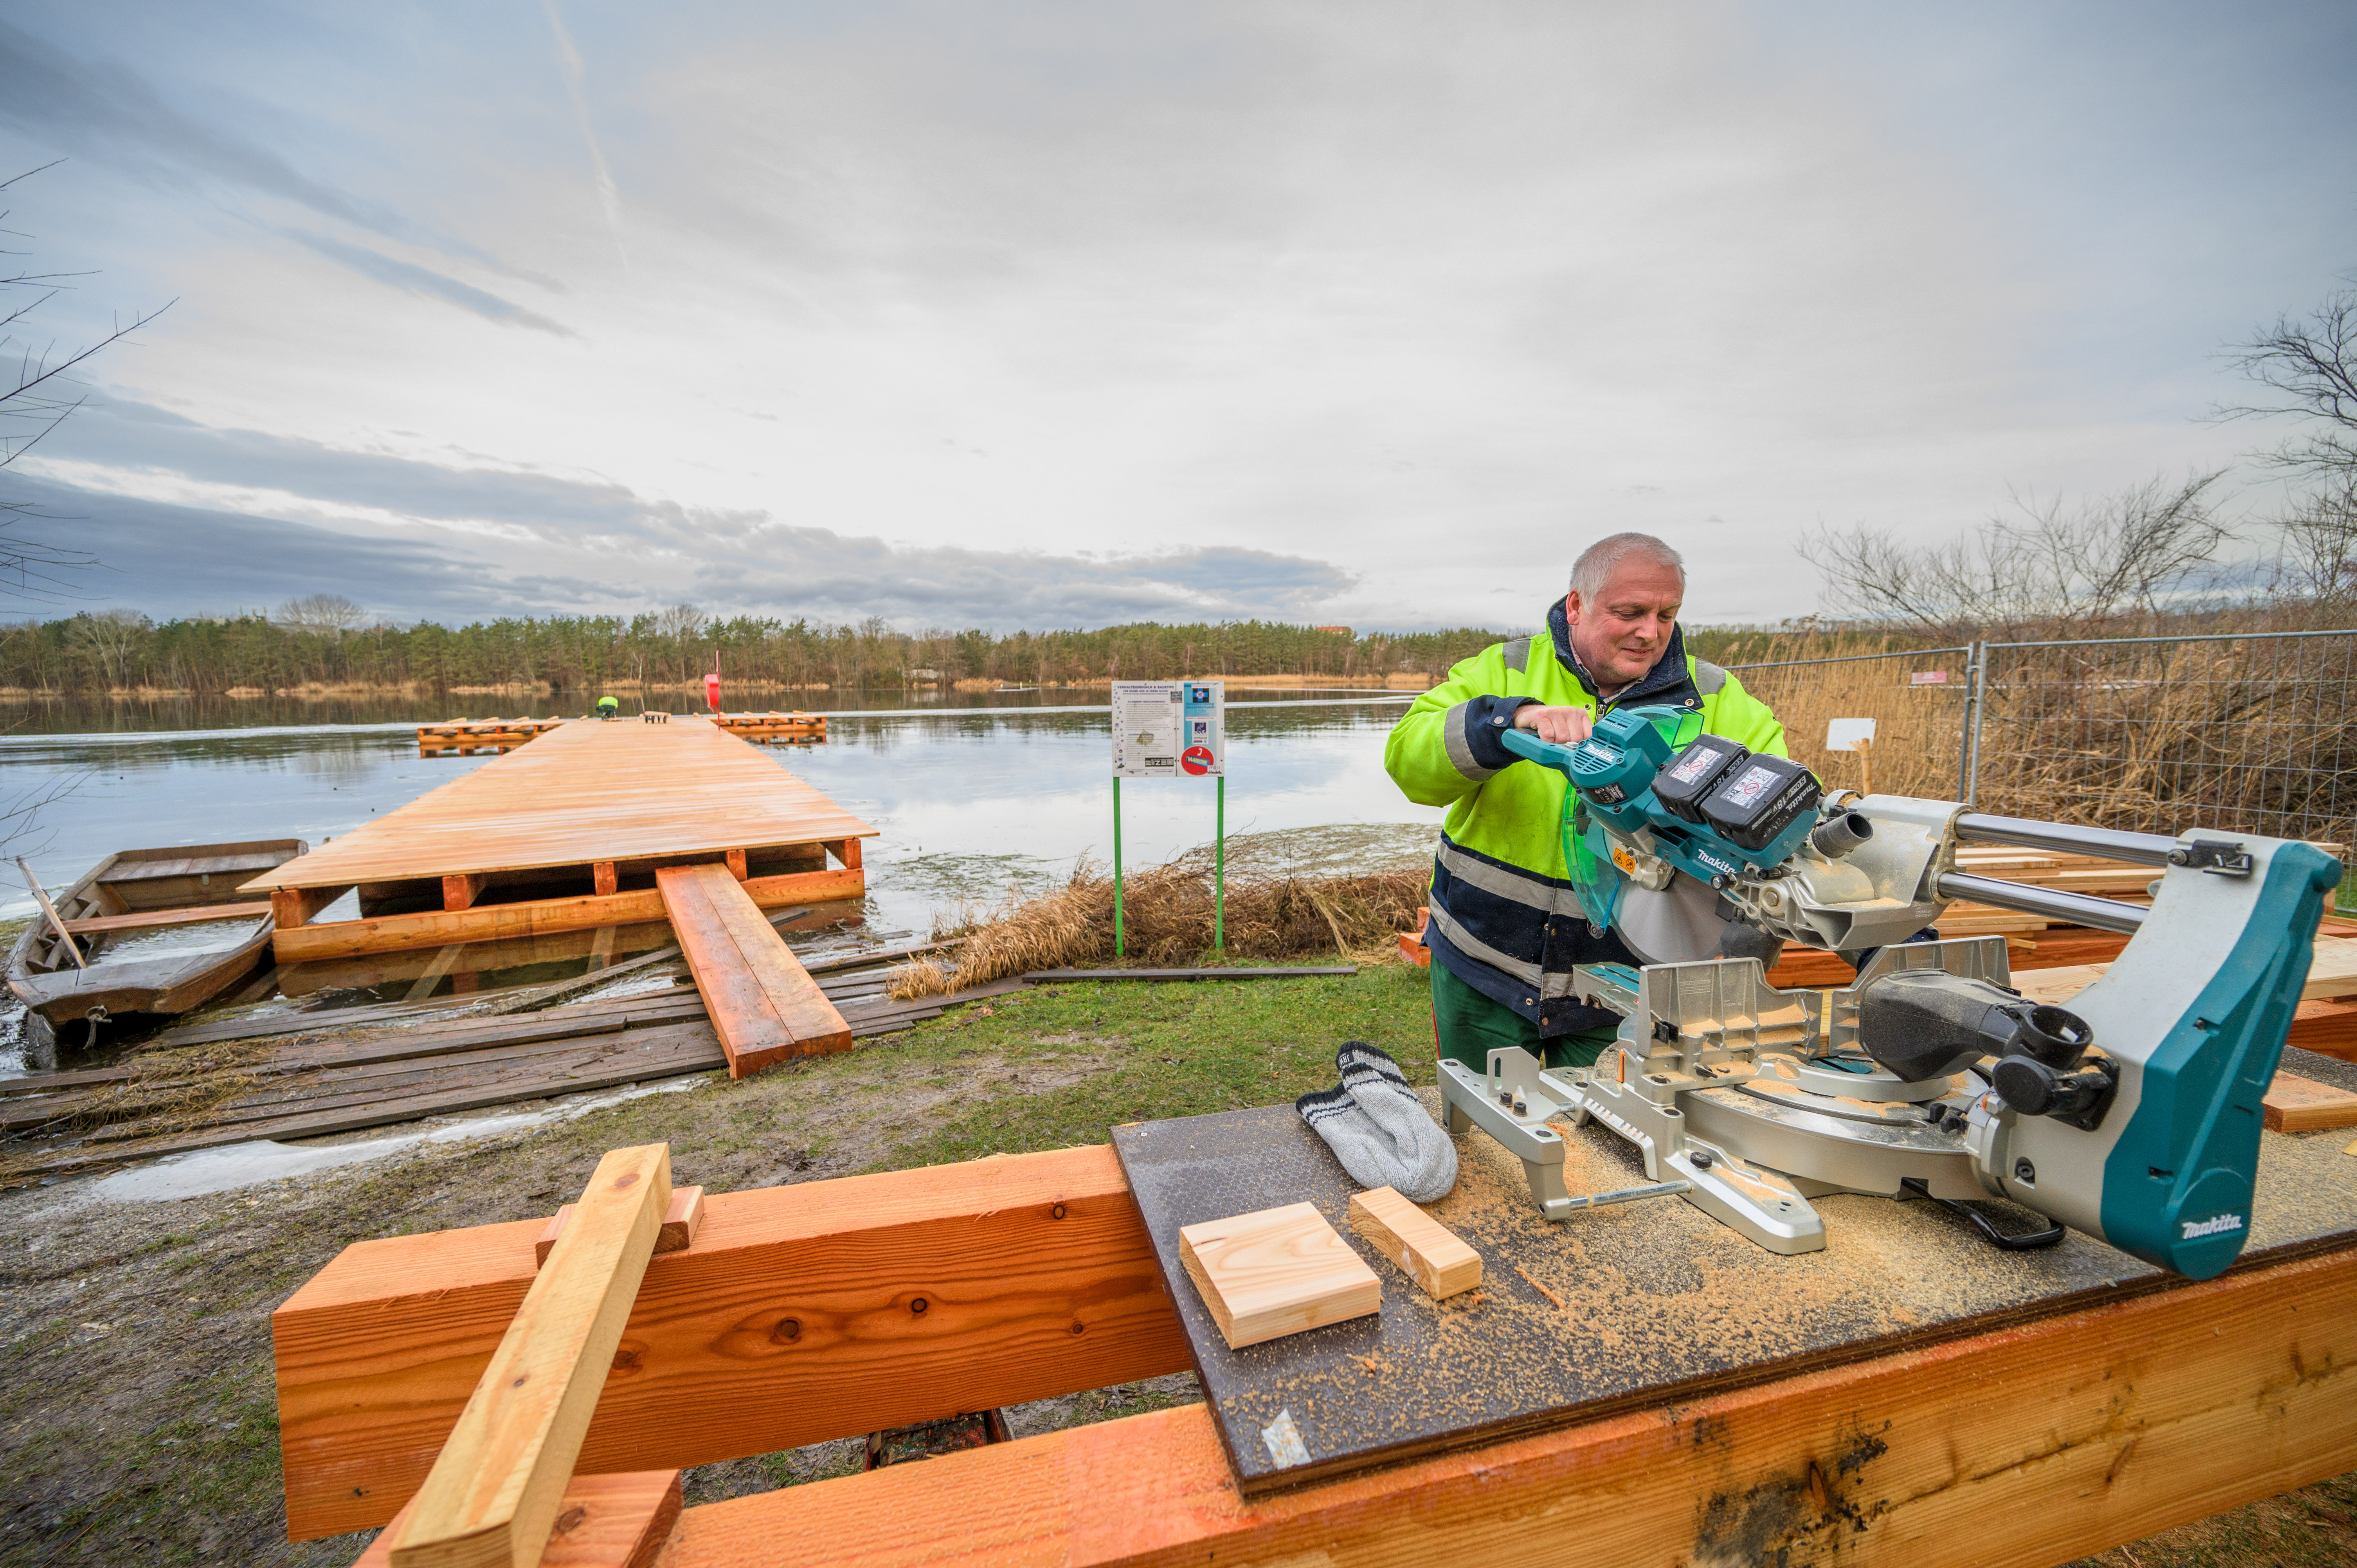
{"type": "Point", "coordinates": [1623, 1307]}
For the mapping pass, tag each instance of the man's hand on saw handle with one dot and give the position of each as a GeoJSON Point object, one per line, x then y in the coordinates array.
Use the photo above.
{"type": "Point", "coordinates": [1557, 727]}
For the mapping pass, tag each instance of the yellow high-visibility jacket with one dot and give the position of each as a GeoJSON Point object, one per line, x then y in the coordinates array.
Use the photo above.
{"type": "Point", "coordinates": [1505, 918]}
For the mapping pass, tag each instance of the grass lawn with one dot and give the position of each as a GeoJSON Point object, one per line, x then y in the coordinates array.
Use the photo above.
{"type": "Point", "coordinates": [139, 1425]}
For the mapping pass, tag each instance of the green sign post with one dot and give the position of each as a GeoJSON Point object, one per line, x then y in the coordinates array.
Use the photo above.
{"type": "Point", "coordinates": [1172, 729]}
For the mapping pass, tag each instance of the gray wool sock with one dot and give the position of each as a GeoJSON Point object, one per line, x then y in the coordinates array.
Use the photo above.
{"type": "Point", "coordinates": [1379, 1128]}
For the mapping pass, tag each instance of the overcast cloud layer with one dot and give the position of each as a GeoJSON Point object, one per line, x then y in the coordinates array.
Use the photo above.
{"type": "Point", "coordinates": [1042, 315]}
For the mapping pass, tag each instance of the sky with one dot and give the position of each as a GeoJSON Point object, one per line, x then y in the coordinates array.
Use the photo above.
{"type": "Point", "coordinates": [1053, 315]}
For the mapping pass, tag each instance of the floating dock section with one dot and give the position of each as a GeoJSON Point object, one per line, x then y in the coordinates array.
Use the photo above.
{"type": "Point", "coordinates": [567, 834]}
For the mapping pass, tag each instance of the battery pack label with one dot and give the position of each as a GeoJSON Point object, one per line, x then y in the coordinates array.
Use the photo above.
{"type": "Point", "coordinates": [1693, 765]}
{"type": "Point", "coordinates": [1745, 793]}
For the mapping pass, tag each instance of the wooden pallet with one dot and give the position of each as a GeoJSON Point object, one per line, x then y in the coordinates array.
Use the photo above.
{"type": "Point", "coordinates": [793, 727]}
{"type": "Point", "coordinates": [464, 737]}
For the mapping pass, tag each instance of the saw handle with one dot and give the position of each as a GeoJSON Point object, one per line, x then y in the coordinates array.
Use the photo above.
{"type": "Point", "coordinates": [1545, 753]}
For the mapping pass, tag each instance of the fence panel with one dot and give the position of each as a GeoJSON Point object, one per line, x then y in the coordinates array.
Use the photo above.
{"type": "Point", "coordinates": [2257, 733]}
{"type": "Point", "coordinates": [1918, 702]}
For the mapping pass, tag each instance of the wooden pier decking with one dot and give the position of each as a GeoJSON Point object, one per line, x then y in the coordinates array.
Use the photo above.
{"type": "Point", "coordinates": [566, 834]}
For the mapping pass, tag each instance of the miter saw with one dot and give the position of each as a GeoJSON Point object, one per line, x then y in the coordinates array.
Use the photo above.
{"type": "Point", "coordinates": [2133, 1115]}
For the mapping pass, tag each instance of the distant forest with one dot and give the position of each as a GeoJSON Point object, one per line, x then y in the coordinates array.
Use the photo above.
{"type": "Point", "coordinates": [325, 642]}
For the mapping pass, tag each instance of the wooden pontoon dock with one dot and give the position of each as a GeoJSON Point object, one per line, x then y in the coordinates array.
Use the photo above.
{"type": "Point", "coordinates": [567, 834]}
{"type": "Point", "coordinates": [600, 825]}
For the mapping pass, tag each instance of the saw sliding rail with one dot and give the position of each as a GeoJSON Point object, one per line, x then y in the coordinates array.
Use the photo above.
{"type": "Point", "coordinates": [2076, 908]}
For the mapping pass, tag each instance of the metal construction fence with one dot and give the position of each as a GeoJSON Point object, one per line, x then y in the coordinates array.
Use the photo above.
{"type": "Point", "coordinates": [2253, 731]}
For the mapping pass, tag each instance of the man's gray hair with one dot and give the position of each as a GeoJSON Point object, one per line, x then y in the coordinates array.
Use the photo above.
{"type": "Point", "coordinates": [1593, 570]}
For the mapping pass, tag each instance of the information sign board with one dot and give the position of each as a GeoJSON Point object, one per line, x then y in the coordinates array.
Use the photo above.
{"type": "Point", "coordinates": [1168, 729]}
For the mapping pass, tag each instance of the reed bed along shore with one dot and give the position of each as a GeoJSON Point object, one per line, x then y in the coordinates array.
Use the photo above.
{"type": "Point", "coordinates": [1278, 907]}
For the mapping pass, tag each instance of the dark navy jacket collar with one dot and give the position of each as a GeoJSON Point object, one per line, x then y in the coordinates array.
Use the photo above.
{"type": "Point", "coordinates": [1667, 680]}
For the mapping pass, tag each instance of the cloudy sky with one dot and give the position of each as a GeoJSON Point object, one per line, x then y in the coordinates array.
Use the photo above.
{"type": "Point", "coordinates": [1038, 313]}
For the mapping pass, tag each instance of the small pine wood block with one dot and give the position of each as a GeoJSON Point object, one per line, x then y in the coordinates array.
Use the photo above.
{"type": "Point", "coordinates": [681, 1223]}
{"type": "Point", "coordinates": [1276, 1272]}
{"type": "Point", "coordinates": [607, 1521]}
{"type": "Point", "coordinates": [1418, 1243]}
{"type": "Point", "coordinates": [2296, 1104]}
{"type": "Point", "coordinates": [498, 1487]}
{"type": "Point", "coordinates": [764, 1004]}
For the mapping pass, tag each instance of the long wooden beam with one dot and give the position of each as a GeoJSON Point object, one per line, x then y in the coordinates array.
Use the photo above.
{"type": "Point", "coordinates": [492, 1498]}
{"type": "Point", "coordinates": [800, 1314]}
{"type": "Point", "coordinates": [764, 1004]}
{"type": "Point", "coordinates": [298, 943]}
{"type": "Point", "coordinates": [2033, 1444]}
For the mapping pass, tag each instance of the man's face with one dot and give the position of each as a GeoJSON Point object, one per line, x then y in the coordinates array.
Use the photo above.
{"type": "Point", "coordinates": [1621, 635]}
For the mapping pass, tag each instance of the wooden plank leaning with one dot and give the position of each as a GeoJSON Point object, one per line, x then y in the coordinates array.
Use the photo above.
{"type": "Point", "coordinates": [763, 1003]}
{"type": "Point", "coordinates": [495, 1491]}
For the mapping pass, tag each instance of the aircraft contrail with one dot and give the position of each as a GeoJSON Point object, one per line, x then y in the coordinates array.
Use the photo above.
{"type": "Point", "coordinates": [607, 193]}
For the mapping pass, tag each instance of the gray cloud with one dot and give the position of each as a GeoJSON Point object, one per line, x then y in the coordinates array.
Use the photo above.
{"type": "Point", "coordinates": [594, 547]}
{"type": "Point", "coordinates": [427, 282]}
{"type": "Point", "coordinates": [122, 433]}
{"type": "Point", "coordinates": [174, 560]}
{"type": "Point", "coordinates": [107, 114]}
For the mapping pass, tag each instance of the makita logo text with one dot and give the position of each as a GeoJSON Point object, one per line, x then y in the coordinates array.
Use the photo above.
{"type": "Point", "coordinates": [2196, 1229]}
{"type": "Point", "coordinates": [1714, 862]}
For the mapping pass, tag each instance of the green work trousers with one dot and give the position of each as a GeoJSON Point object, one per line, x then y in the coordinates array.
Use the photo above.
{"type": "Point", "coordinates": [1466, 1026]}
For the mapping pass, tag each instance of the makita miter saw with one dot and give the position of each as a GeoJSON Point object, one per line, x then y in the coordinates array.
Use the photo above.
{"type": "Point", "coordinates": [2133, 1115]}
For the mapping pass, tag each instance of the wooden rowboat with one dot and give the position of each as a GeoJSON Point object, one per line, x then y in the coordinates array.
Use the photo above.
{"type": "Point", "coordinates": [163, 930]}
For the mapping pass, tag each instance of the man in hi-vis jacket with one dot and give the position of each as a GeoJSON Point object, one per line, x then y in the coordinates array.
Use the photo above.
{"type": "Point", "coordinates": [1507, 928]}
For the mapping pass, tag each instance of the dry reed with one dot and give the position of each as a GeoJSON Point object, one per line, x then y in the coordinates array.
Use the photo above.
{"type": "Point", "coordinates": [1167, 911]}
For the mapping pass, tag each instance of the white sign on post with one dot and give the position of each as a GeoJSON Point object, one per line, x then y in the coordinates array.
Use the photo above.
{"type": "Point", "coordinates": [1169, 729]}
{"type": "Point", "coordinates": [1843, 734]}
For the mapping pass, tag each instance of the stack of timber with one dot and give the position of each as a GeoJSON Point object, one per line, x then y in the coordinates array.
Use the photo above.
{"type": "Point", "coordinates": [344, 1070]}
{"type": "Point", "coordinates": [567, 834]}
{"type": "Point", "coordinates": [460, 738]}
{"type": "Point", "coordinates": [795, 726]}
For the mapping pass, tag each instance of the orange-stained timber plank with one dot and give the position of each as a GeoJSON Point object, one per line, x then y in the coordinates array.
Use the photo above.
{"type": "Point", "coordinates": [748, 1025]}
{"type": "Point", "coordinates": [603, 879]}
{"type": "Point", "coordinates": [607, 1521]}
{"type": "Point", "coordinates": [460, 892]}
{"type": "Point", "coordinates": [811, 1022]}
{"type": "Point", "coordinates": [848, 853]}
{"type": "Point", "coordinates": [736, 864]}
{"type": "Point", "coordinates": [537, 917]}
{"type": "Point", "coordinates": [788, 1322]}
{"type": "Point", "coordinates": [2031, 1444]}
{"type": "Point", "coordinates": [764, 1004]}
{"type": "Point", "coordinates": [493, 1495]}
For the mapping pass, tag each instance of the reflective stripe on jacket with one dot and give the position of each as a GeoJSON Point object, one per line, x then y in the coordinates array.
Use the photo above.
{"type": "Point", "coordinates": [1505, 918]}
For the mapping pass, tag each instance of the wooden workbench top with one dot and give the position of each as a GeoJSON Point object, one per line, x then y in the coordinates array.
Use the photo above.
{"type": "Point", "coordinates": [1645, 1304]}
{"type": "Point", "coordinates": [585, 791]}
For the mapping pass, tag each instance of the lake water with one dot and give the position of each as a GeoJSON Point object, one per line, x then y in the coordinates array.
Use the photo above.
{"type": "Point", "coordinates": [973, 794]}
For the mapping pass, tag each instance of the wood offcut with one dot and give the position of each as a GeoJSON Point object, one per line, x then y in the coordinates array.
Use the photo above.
{"type": "Point", "coordinates": [1276, 1272]}
{"type": "Point", "coordinates": [1427, 1249]}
